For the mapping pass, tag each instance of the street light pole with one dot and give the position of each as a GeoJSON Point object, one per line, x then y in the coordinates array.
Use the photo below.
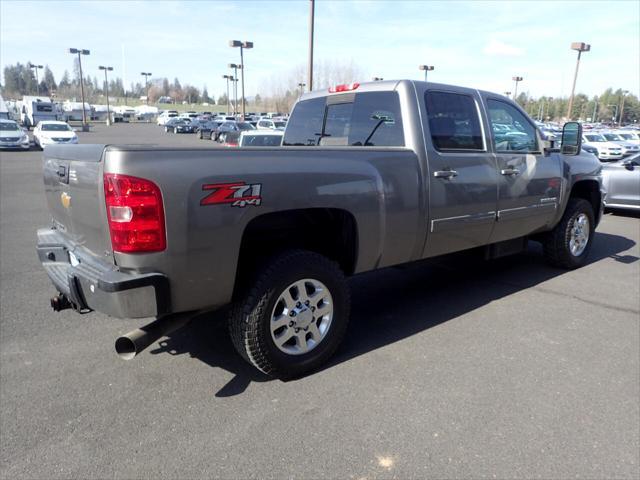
{"type": "Point", "coordinates": [515, 90]}
{"type": "Point", "coordinates": [235, 69]}
{"type": "Point", "coordinates": [106, 89]}
{"type": "Point", "coordinates": [146, 76]}
{"type": "Point", "coordinates": [227, 77]}
{"type": "Point", "coordinates": [79, 52]}
{"type": "Point", "coordinates": [595, 107]}
{"type": "Point", "coordinates": [301, 86]}
{"type": "Point", "coordinates": [580, 47]}
{"type": "Point", "coordinates": [312, 6]}
{"type": "Point", "coordinates": [615, 114]}
{"type": "Point", "coordinates": [426, 68]}
{"type": "Point", "coordinates": [242, 46]}
{"type": "Point", "coordinates": [36, 68]}
{"type": "Point", "coordinates": [624, 94]}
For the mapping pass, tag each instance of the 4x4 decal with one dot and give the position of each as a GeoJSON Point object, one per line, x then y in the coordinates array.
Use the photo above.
{"type": "Point", "coordinates": [238, 194]}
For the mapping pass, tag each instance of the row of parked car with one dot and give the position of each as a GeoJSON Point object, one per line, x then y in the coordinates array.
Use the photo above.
{"type": "Point", "coordinates": [46, 132]}
{"type": "Point", "coordinates": [227, 130]}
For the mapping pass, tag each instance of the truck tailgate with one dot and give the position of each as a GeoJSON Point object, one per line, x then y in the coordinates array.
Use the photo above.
{"type": "Point", "coordinates": [74, 192]}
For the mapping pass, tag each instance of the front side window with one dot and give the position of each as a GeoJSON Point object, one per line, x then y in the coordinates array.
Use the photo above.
{"type": "Point", "coordinates": [454, 122]}
{"type": "Point", "coordinates": [511, 130]}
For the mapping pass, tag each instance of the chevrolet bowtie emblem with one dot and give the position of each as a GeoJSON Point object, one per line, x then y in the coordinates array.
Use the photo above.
{"type": "Point", "coordinates": [65, 199]}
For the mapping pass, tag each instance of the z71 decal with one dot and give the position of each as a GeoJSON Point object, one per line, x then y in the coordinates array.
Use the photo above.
{"type": "Point", "coordinates": [238, 194]}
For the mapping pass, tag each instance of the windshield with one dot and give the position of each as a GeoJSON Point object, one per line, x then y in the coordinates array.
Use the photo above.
{"type": "Point", "coordinates": [629, 136]}
{"type": "Point", "coordinates": [245, 126]}
{"type": "Point", "coordinates": [595, 138]}
{"type": "Point", "coordinates": [9, 127]}
{"type": "Point", "coordinates": [611, 136]}
{"type": "Point", "coordinates": [55, 127]}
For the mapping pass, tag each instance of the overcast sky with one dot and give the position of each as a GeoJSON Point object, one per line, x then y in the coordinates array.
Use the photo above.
{"type": "Point", "coordinates": [477, 44]}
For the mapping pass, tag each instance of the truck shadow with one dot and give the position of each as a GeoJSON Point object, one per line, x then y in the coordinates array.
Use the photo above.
{"type": "Point", "coordinates": [395, 303]}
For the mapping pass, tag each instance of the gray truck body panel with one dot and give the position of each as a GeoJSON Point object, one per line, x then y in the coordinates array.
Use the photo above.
{"type": "Point", "coordinates": [402, 211]}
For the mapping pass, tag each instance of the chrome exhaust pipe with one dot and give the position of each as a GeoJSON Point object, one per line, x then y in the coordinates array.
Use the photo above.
{"type": "Point", "coordinates": [134, 342]}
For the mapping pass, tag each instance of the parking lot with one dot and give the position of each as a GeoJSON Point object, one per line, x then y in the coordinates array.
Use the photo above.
{"type": "Point", "coordinates": [453, 368]}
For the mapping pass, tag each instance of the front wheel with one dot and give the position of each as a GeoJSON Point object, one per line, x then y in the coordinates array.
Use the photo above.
{"type": "Point", "coordinates": [569, 243]}
{"type": "Point", "coordinates": [293, 316]}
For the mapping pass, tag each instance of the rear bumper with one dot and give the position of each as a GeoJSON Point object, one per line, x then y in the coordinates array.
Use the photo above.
{"type": "Point", "coordinates": [97, 285]}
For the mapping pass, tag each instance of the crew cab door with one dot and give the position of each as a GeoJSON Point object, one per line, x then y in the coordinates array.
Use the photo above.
{"type": "Point", "coordinates": [528, 181]}
{"type": "Point", "coordinates": [462, 172]}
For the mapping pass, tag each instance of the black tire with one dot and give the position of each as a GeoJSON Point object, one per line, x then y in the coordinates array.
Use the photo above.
{"type": "Point", "coordinates": [166, 129]}
{"type": "Point", "coordinates": [556, 243]}
{"type": "Point", "coordinates": [250, 316]}
{"type": "Point", "coordinates": [200, 134]}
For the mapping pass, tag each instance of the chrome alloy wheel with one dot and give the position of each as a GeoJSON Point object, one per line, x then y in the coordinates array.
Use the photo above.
{"type": "Point", "coordinates": [579, 235]}
{"type": "Point", "coordinates": [301, 317]}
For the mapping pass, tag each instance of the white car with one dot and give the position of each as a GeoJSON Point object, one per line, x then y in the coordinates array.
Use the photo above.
{"type": "Point", "coordinates": [629, 136]}
{"type": "Point", "coordinates": [12, 136]}
{"type": "Point", "coordinates": [165, 116]}
{"type": "Point", "coordinates": [606, 150]}
{"type": "Point", "coordinates": [269, 124]}
{"type": "Point", "coordinates": [261, 138]}
{"type": "Point", "coordinates": [50, 133]}
{"type": "Point", "coordinates": [628, 148]}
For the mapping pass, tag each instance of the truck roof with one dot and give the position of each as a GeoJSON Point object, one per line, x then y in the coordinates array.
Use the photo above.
{"type": "Point", "coordinates": [386, 86]}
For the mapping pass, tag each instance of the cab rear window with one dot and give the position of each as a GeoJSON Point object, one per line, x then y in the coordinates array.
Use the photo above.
{"type": "Point", "coordinates": [371, 119]}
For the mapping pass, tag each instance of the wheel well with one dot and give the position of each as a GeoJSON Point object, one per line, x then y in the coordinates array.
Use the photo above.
{"type": "Point", "coordinates": [330, 232]}
{"type": "Point", "coordinates": [590, 191]}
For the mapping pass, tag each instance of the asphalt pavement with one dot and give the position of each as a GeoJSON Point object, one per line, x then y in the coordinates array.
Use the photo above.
{"type": "Point", "coordinates": [457, 368]}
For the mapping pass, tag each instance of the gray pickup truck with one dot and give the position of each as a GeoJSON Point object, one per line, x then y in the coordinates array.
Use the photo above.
{"type": "Point", "coordinates": [369, 176]}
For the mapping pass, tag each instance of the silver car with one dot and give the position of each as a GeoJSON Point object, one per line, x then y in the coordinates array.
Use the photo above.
{"type": "Point", "coordinates": [621, 180]}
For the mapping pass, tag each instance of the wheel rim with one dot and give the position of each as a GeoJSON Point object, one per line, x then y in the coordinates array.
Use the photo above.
{"type": "Point", "coordinates": [301, 317]}
{"type": "Point", "coordinates": [579, 235]}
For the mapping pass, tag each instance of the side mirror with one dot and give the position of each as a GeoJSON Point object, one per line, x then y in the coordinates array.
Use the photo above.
{"type": "Point", "coordinates": [571, 138]}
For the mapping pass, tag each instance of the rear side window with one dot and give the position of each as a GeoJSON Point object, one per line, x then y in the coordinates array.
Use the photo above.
{"type": "Point", "coordinates": [511, 130]}
{"type": "Point", "coordinates": [453, 121]}
{"type": "Point", "coordinates": [366, 119]}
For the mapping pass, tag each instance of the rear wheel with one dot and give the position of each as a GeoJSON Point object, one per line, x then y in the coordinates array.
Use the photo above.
{"type": "Point", "coordinates": [293, 316]}
{"type": "Point", "coordinates": [569, 243]}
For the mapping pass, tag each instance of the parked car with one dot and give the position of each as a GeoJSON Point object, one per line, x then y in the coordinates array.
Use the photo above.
{"type": "Point", "coordinates": [12, 136]}
{"type": "Point", "coordinates": [165, 116]}
{"type": "Point", "coordinates": [369, 176]}
{"type": "Point", "coordinates": [621, 180]}
{"type": "Point", "coordinates": [227, 127]}
{"type": "Point", "coordinates": [606, 150]}
{"type": "Point", "coordinates": [51, 132]}
{"type": "Point", "coordinates": [179, 125]}
{"type": "Point", "coordinates": [268, 124]}
{"type": "Point", "coordinates": [261, 138]}
{"type": "Point", "coordinates": [629, 136]}
{"type": "Point", "coordinates": [208, 130]}
{"type": "Point", "coordinates": [628, 148]}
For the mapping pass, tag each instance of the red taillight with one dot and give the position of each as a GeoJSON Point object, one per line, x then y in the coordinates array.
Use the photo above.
{"type": "Point", "coordinates": [344, 88]}
{"type": "Point", "coordinates": [135, 214]}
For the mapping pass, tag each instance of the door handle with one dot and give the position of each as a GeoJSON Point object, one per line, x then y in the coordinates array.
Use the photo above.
{"type": "Point", "coordinates": [445, 174]}
{"type": "Point", "coordinates": [510, 171]}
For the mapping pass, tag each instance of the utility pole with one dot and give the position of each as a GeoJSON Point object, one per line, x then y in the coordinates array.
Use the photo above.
{"type": "Point", "coordinates": [311, 23]}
